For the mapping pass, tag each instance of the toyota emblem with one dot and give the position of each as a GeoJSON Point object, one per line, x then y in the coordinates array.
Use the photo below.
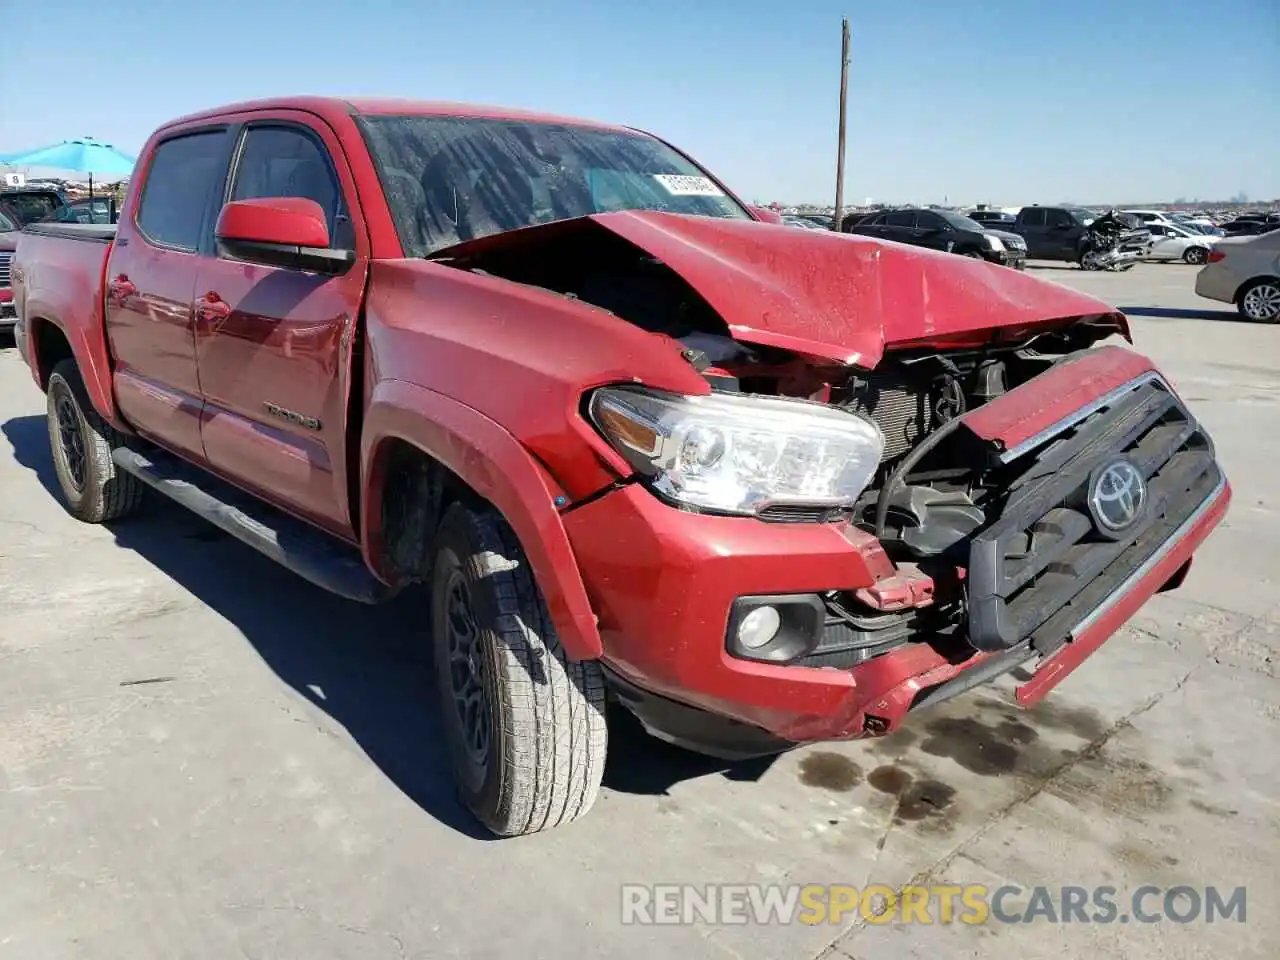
{"type": "Point", "coordinates": [1117, 497]}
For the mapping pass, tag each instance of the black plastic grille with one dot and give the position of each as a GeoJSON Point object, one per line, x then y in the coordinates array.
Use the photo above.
{"type": "Point", "coordinates": [1042, 564]}
{"type": "Point", "coordinates": [5, 259]}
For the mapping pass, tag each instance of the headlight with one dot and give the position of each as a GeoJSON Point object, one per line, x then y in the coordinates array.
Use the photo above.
{"type": "Point", "coordinates": [996, 244]}
{"type": "Point", "coordinates": [739, 454]}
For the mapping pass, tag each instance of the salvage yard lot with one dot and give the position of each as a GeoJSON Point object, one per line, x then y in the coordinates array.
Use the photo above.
{"type": "Point", "coordinates": [202, 756]}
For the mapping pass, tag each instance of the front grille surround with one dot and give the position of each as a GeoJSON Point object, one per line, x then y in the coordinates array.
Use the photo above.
{"type": "Point", "coordinates": [1034, 568]}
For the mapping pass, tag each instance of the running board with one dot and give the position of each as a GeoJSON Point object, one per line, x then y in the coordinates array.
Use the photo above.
{"type": "Point", "coordinates": [313, 555]}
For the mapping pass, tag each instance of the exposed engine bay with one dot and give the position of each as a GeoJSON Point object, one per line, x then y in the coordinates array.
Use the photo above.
{"type": "Point", "coordinates": [936, 489]}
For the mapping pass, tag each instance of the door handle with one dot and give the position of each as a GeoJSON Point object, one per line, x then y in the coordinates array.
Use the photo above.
{"type": "Point", "coordinates": [211, 308]}
{"type": "Point", "coordinates": [121, 287]}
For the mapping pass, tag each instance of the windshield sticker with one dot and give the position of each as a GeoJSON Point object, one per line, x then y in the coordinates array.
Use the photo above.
{"type": "Point", "coordinates": [683, 186]}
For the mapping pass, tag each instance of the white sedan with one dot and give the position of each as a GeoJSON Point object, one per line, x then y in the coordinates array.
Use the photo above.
{"type": "Point", "coordinates": [1172, 242]}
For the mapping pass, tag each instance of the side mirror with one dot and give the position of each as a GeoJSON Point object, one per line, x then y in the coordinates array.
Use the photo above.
{"type": "Point", "coordinates": [280, 232]}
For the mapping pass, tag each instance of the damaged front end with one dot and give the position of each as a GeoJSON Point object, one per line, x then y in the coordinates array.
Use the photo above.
{"type": "Point", "coordinates": [993, 411]}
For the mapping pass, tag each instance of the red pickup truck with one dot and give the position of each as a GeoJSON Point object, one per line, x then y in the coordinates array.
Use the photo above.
{"type": "Point", "coordinates": [761, 486]}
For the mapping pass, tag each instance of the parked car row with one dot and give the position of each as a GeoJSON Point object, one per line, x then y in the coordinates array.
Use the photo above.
{"type": "Point", "coordinates": [945, 230]}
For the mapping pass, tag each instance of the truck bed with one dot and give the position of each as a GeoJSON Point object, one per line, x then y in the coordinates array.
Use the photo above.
{"type": "Point", "coordinates": [58, 274]}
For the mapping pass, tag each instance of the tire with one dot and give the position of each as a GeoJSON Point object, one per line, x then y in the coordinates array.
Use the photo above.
{"type": "Point", "coordinates": [1088, 262]}
{"type": "Point", "coordinates": [1259, 301]}
{"type": "Point", "coordinates": [499, 662]}
{"type": "Point", "coordinates": [1195, 255]}
{"type": "Point", "coordinates": [93, 489]}
{"type": "Point", "coordinates": [974, 254]}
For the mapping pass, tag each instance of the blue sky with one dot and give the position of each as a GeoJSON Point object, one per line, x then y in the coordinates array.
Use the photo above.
{"type": "Point", "coordinates": [1000, 101]}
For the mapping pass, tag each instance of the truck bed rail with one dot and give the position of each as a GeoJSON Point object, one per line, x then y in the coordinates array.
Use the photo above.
{"type": "Point", "coordinates": [93, 232]}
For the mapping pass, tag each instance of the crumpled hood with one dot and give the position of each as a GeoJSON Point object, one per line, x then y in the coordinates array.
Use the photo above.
{"type": "Point", "coordinates": [826, 295]}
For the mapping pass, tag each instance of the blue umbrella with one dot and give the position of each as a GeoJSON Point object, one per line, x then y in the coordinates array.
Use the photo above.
{"type": "Point", "coordinates": [83, 155]}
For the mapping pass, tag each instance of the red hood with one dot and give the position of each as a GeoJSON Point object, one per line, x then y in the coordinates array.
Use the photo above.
{"type": "Point", "coordinates": [831, 296]}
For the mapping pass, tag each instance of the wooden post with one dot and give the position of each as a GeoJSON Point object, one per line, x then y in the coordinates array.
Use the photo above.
{"type": "Point", "coordinates": [844, 91]}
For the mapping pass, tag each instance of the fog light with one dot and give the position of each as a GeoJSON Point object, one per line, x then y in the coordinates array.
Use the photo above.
{"type": "Point", "coordinates": [759, 627]}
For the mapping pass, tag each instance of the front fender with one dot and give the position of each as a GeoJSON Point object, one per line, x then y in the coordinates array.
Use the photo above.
{"type": "Point", "coordinates": [497, 467]}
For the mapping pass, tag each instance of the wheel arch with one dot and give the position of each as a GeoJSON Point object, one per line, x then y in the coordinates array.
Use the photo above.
{"type": "Point", "coordinates": [49, 341]}
{"type": "Point", "coordinates": [465, 455]}
{"type": "Point", "coordinates": [1260, 278]}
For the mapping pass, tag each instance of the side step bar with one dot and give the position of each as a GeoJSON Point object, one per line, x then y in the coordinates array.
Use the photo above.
{"type": "Point", "coordinates": [308, 552]}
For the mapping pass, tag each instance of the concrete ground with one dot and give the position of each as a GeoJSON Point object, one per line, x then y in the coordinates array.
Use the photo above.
{"type": "Point", "coordinates": [204, 757]}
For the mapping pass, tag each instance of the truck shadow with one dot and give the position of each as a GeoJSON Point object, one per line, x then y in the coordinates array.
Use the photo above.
{"type": "Point", "coordinates": [368, 668]}
{"type": "Point", "coordinates": [1179, 313]}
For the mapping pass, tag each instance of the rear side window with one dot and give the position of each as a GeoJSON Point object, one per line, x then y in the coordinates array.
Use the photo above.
{"type": "Point", "coordinates": [182, 174]}
{"type": "Point", "coordinates": [1033, 218]}
{"type": "Point", "coordinates": [902, 218]}
{"type": "Point", "coordinates": [280, 161]}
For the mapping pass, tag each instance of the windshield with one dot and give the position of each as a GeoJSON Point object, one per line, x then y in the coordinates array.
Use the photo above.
{"type": "Point", "coordinates": [960, 221]}
{"type": "Point", "coordinates": [450, 179]}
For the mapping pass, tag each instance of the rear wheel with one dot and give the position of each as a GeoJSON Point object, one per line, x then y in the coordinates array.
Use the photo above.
{"type": "Point", "coordinates": [1260, 301]}
{"type": "Point", "coordinates": [93, 488]}
{"type": "Point", "coordinates": [1195, 255]}
{"type": "Point", "coordinates": [525, 725]}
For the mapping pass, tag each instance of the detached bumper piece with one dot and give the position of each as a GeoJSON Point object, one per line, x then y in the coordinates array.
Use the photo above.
{"type": "Point", "coordinates": [1068, 538]}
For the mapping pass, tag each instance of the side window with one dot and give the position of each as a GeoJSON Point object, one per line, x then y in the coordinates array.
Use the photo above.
{"type": "Point", "coordinates": [182, 173]}
{"type": "Point", "coordinates": [1033, 217]}
{"type": "Point", "coordinates": [1157, 230]}
{"type": "Point", "coordinates": [900, 218]}
{"type": "Point", "coordinates": [930, 221]}
{"type": "Point", "coordinates": [288, 162]}
{"type": "Point", "coordinates": [1059, 218]}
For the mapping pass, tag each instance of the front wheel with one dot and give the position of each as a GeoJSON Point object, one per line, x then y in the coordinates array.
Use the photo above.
{"type": "Point", "coordinates": [94, 490]}
{"type": "Point", "coordinates": [1260, 301]}
{"type": "Point", "coordinates": [1090, 261]}
{"type": "Point", "coordinates": [1195, 255]}
{"type": "Point", "coordinates": [525, 725]}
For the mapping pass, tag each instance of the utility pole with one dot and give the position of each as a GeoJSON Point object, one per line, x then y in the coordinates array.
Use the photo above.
{"type": "Point", "coordinates": [844, 92]}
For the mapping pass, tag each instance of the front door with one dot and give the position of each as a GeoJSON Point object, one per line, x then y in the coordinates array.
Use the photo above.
{"type": "Point", "coordinates": [274, 343]}
{"type": "Point", "coordinates": [151, 277]}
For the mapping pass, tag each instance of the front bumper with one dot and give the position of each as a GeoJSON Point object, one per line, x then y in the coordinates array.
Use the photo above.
{"type": "Point", "coordinates": [1009, 257]}
{"type": "Point", "coordinates": [663, 581]}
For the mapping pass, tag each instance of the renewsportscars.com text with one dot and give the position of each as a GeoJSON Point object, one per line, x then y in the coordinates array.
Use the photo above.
{"type": "Point", "coordinates": [938, 903]}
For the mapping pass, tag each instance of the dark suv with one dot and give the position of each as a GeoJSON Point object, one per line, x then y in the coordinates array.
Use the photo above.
{"type": "Point", "coordinates": [946, 230]}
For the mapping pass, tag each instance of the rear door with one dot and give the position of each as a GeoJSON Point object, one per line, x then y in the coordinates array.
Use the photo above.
{"type": "Point", "coordinates": [1165, 245]}
{"type": "Point", "coordinates": [933, 232]}
{"type": "Point", "coordinates": [274, 343]}
{"type": "Point", "coordinates": [1033, 228]}
{"type": "Point", "coordinates": [151, 276]}
{"type": "Point", "coordinates": [899, 225]}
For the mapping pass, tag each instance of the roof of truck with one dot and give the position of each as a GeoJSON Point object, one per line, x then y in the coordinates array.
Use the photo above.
{"type": "Point", "coordinates": [334, 109]}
